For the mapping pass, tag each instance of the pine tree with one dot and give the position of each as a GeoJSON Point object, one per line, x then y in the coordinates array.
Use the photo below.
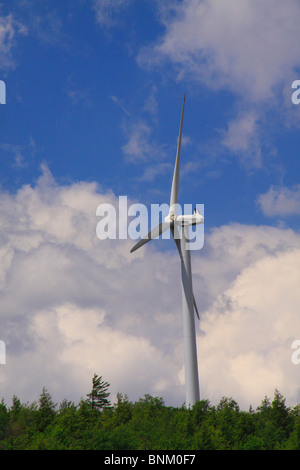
{"type": "Point", "coordinates": [97, 398]}
{"type": "Point", "coordinates": [46, 411]}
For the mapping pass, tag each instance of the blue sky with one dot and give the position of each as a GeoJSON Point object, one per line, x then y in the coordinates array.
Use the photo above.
{"type": "Point", "coordinates": [94, 92]}
{"type": "Point", "coordinates": [78, 90]}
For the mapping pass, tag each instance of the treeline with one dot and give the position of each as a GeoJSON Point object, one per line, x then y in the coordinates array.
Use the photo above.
{"type": "Point", "coordinates": [146, 424]}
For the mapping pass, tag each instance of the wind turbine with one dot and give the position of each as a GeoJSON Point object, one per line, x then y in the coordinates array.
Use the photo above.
{"type": "Point", "coordinates": [182, 222]}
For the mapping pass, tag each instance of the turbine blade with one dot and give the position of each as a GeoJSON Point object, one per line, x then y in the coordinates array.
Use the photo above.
{"type": "Point", "coordinates": [190, 293]}
{"type": "Point", "coordinates": [176, 239]}
{"type": "Point", "coordinates": [175, 182]}
{"type": "Point", "coordinates": [173, 227]}
{"type": "Point", "coordinates": [195, 307]}
{"type": "Point", "coordinates": [155, 232]}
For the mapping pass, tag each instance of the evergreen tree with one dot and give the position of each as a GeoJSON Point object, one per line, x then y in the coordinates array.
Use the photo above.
{"type": "Point", "coordinates": [16, 407]}
{"type": "Point", "coordinates": [4, 419]}
{"type": "Point", "coordinates": [46, 412]}
{"type": "Point", "coordinates": [281, 417]}
{"type": "Point", "coordinates": [98, 397]}
{"type": "Point", "coordinates": [147, 424]}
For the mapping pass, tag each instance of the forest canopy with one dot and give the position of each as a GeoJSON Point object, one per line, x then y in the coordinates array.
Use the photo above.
{"type": "Point", "coordinates": [147, 424]}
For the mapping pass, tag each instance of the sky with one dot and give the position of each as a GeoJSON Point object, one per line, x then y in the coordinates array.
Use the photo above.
{"type": "Point", "coordinates": [94, 90]}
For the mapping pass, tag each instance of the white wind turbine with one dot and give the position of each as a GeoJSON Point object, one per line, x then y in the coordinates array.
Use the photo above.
{"type": "Point", "coordinates": [173, 222]}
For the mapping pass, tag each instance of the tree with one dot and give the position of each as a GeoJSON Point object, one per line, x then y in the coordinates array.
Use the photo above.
{"type": "Point", "coordinates": [97, 398]}
{"type": "Point", "coordinates": [281, 416]}
{"type": "Point", "coordinates": [46, 411]}
{"type": "Point", "coordinates": [122, 409]}
{"type": "Point", "coordinates": [4, 419]}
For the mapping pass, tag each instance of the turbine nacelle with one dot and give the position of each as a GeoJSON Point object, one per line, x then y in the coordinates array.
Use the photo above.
{"type": "Point", "coordinates": [185, 220]}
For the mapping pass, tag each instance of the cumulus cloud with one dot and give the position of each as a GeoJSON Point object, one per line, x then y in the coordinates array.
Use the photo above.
{"type": "Point", "coordinates": [63, 289]}
{"type": "Point", "coordinates": [72, 304]}
{"type": "Point", "coordinates": [280, 201]}
{"type": "Point", "coordinates": [247, 46]}
{"type": "Point", "coordinates": [249, 330]}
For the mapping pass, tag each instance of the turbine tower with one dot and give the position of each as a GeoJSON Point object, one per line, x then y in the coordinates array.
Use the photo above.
{"type": "Point", "coordinates": [176, 222]}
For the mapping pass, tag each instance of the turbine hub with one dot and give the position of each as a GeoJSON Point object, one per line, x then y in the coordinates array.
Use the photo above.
{"type": "Point", "coordinates": [170, 217]}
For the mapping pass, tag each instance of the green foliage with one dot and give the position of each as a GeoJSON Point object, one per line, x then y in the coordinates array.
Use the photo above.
{"type": "Point", "coordinates": [46, 410]}
{"type": "Point", "coordinates": [147, 424]}
{"type": "Point", "coordinates": [97, 398]}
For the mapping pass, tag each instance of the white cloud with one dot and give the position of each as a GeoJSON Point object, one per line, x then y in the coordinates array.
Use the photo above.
{"type": "Point", "coordinates": [243, 138]}
{"type": "Point", "coordinates": [9, 28]}
{"type": "Point", "coordinates": [72, 305]}
{"type": "Point", "coordinates": [247, 46]}
{"type": "Point", "coordinates": [280, 201]}
{"type": "Point", "coordinates": [151, 172]}
{"type": "Point", "coordinates": [249, 331]}
{"type": "Point", "coordinates": [151, 105]}
{"type": "Point", "coordinates": [140, 146]}
{"type": "Point", "coordinates": [108, 11]}
{"type": "Point", "coordinates": [80, 340]}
